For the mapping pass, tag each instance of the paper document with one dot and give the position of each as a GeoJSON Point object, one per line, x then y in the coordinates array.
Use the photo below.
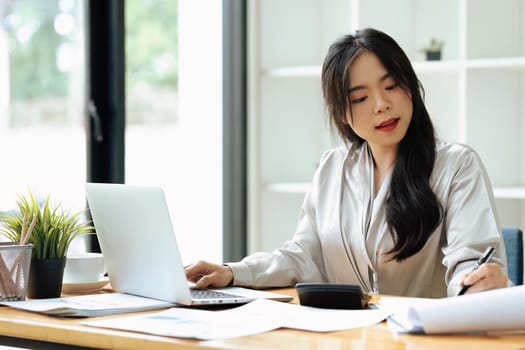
{"type": "Point", "coordinates": [490, 311]}
{"type": "Point", "coordinates": [256, 317]}
{"type": "Point", "coordinates": [89, 305]}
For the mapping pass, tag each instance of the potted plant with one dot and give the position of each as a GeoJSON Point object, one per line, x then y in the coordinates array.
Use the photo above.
{"type": "Point", "coordinates": [51, 232]}
{"type": "Point", "coordinates": [433, 50]}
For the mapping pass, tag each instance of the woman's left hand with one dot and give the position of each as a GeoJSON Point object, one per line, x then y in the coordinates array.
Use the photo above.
{"type": "Point", "coordinates": [487, 276]}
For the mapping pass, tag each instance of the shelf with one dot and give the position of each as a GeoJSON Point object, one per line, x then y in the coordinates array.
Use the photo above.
{"type": "Point", "coordinates": [419, 66]}
{"type": "Point", "coordinates": [302, 187]}
{"type": "Point", "coordinates": [503, 62]}
{"type": "Point", "coordinates": [315, 71]}
{"type": "Point", "coordinates": [435, 66]}
{"type": "Point", "coordinates": [509, 192]}
{"type": "Point", "coordinates": [288, 187]}
{"type": "Point", "coordinates": [473, 85]}
{"type": "Point", "coordinates": [299, 71]}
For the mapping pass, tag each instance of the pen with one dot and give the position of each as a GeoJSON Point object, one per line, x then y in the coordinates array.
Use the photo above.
{"type": "Point", "coordinates": [484, 258]}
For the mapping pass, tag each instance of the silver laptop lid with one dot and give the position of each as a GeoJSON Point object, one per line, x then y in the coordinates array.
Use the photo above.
{"type": "Point", "coordinates": [137, 240]}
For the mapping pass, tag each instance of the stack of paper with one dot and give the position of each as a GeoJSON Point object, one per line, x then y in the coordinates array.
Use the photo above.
{"type": "Point", "coordinates": [256, 317]}
{"type": "Point", "coordinates": [89, 305]}
{"type": "Point", "coordinates": [495, 310]}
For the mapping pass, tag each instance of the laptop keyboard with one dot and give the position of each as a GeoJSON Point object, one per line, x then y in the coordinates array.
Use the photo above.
{"type": "Point", "coordinates": [211, 294]}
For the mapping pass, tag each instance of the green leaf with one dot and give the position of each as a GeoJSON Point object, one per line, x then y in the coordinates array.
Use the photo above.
{"type": "Point", "coordinates": [54, 230]}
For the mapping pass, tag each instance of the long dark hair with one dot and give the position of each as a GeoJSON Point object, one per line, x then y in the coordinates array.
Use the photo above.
{"type": "Point", "coordinates": [413, 211]}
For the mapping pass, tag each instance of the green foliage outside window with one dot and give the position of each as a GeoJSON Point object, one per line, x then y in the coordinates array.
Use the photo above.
{"type": "Point", "coordinates": [32, 44]}
{"type": "Point", "coordinates": [151, 44]}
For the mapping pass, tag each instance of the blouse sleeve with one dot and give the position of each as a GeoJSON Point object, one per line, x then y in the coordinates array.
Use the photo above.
{"type": "Point", "coordinates": [471, 220]}
{"type": "Point", "coordinates": [298, 260]}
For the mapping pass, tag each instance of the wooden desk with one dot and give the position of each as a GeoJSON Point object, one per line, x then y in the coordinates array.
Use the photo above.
{"type": "Point", "coordinates": [21, 324]}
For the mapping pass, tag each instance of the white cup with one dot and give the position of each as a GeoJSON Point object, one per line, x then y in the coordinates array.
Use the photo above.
{"type": "Point", "coordinates": [84, 268]}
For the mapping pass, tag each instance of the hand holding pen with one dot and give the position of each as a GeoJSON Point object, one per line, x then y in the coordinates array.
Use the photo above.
{"type": "Point", "coordinates": [482, 260]}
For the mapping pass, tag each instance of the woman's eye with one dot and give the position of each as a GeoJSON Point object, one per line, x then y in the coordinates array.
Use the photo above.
{"type": "Point", "coordinates": [359, 100]}
{"type": "Point", "coordinates": [392, 86]}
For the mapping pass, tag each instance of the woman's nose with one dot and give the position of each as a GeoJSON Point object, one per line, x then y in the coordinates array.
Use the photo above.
{"type": "Point", "coordinates": [382, 104]}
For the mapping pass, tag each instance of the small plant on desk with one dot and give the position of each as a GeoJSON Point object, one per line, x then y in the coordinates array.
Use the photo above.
{"type": "Point", "coordinates": [52, 230]}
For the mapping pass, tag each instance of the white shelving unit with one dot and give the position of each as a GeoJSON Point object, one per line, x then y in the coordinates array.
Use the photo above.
{"type": "Point", "coordinates": [475, 94]}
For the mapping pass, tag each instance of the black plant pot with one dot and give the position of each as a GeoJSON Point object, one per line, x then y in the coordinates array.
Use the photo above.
{"type": "Point", "coordinates": [45, 278]}
{"type": "Point", "coordinates": [433, 55]}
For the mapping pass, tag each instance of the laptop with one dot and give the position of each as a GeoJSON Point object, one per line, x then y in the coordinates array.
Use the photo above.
{"type": "Point", "coordinates": [140, 250]}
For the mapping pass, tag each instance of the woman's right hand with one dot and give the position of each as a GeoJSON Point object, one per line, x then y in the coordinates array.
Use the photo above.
{"type": "Point", "coordinates": [205, 274]}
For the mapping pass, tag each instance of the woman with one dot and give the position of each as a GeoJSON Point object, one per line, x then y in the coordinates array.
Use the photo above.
{"type": "Point", "coordinates": [393, 210]}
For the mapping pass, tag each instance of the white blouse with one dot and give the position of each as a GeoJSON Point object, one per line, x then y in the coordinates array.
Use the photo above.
{"type": "Point", "coordinates": [342, 234]}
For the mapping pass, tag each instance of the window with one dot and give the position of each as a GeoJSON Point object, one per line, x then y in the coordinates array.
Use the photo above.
{"type": "Point", "coordinates": [173, 115]}
{"type": "Point", "coordinates": [173, 132]}
{"type": "Point", "coordinates": [42, 139]}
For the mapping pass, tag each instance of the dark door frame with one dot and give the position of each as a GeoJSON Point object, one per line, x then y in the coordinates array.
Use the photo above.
{"type": "Point", "coordinates": [105, 100]}
{"type": "Point", "coordinates": [106, 117]}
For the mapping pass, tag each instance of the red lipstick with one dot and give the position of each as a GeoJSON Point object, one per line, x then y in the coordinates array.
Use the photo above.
{"type": "Point", "coordinates": [388, 125]}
